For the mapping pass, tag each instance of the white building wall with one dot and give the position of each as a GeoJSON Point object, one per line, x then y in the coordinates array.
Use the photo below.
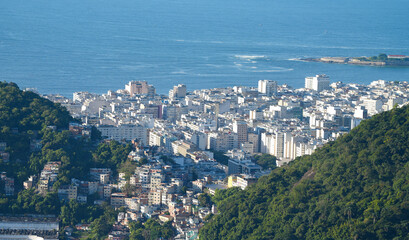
{"type": "Point", "coordinates": [126, 131]}
{"type": "Point", "coordinates": [317, 83]}
{"type": "Point", "coordinates": [267, 87]}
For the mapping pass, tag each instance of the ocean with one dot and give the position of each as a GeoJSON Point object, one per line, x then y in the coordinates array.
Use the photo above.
{"type": "Point", "coordinates": [99, 45]}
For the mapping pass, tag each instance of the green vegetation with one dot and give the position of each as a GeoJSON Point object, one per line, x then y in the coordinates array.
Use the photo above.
{"type": "Point", "coordinates": [205, 200]}
{"type": "Point", "coordinates": [60, 146]}
{"type": "Point", "coordinates": [111, 155]}
{"type": "Point", "coordinates": [29, 202]}
{"type": "Point", "coordinates": [151, 229]}
{"type": "Point", "coordinates": [128, 167]}
{"type": "Point", "coordinates": [266, 161]}
{"type": "Point", "coordinates": [101, 226]}
{"type": "Point", "coordinates": [28, 111]}
{"type": "Point", "coordinates": [74, 213]}
{"type": "Point", "coordinates": [100, 217]}
{"type": "Point", "coordinates": [382, 58]}
{"type": "Point", "coordinates": [220, 195]}
{"type": "Point", "coordinates": [220, 157]}
{"type": "Point", "coordinates": [28, 120]}
{"type": "Point", "coordinates": [25, 117]}
{"type": "Point", "coordinates": [353, 188]}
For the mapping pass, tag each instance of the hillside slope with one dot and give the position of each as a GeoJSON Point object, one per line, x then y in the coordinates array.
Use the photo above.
{"type": "Point", "coordinates": [24, 116]}
{"type": "Point", "coordinates": [353, 188]}
{"type": "Point", "coordinates": [26, 110]}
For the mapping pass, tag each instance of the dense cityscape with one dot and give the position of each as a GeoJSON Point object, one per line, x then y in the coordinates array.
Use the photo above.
{"type": "Point", "coordinates": [210, 120]}
{"type": "Point", "coordinates": [188, 146]}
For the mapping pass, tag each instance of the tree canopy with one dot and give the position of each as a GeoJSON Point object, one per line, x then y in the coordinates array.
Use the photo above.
{"type": "Point", "coordinates": [25, 118]}
{"type": "Point", "coordinates": [151, 229]}
{"type": "Point", "coordinates": [266, 161]}
{"type": "Point", "coordinates": [26, 110]}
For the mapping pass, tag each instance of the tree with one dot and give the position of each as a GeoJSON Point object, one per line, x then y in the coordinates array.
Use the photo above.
{"type": "Point", "coordinates": [95, 134]}
{"type": "Point", "coordinates": [205, 200]}
{"type": "Point", "coordinates": [220, 157]}
{"type": "Point", "coordinates": [100, 228]}
{"type": "Point", "coordinates": [266, 161]}
{"type": "Point", "coordinates": [111, 154]}
{"type": "Point", "coordinates": [383, 57]}
{"type": "Point", "coordinates": [143, 161]}
{"type": "Point", "coordinates": [151, 229]}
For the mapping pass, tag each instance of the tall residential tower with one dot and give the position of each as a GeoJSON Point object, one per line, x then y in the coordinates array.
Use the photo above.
{"type": "Point", "coordinates": [267, 87]}
{"type": "Point", "coordinates": [317, 83]}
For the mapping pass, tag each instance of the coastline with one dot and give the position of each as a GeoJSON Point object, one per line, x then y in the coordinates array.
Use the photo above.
{"type": "Point", "coordinates": [358, 61]}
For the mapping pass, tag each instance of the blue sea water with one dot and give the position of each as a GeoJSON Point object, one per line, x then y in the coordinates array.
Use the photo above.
{"type": "Point", "coordinates": [96, 45]}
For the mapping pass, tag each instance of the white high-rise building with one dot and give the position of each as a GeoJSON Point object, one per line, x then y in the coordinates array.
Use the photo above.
{"type": "Point", "coordinates": [393, 101]}
{"type": "Point", "coordinates": [279, 144]}
{"type": "Point", "coordinates": [360, 112]}
{"type": "Point", "coordinates": [273, 143]}
{"type": "Point", "coordinates": [155, 138]}
{"type": "Point", "coordinates": [256, 115]}
{"type": "Point", "coordinates": [178, 91]}
{"type": "Point", "coordinates": [125, 131]}
{"type": "Point", "coordinates": [267, 87]}
{"type": "Point", "coordinates": [317, 83]}
{"type": "Point", "coordinates": [373, 106]}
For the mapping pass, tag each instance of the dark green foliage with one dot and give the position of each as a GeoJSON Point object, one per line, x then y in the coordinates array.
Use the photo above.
{"type": "Point", "coordinates": [111, 155]}
{"type": "Point", "coordinates": [24, 117]}
{"type": "Point", "coordinates": [205, 200]}
{"type": "Point", "coordinates": [29, 202]}
{"type": "Point", "coordinates": [95, 134]}
{"type": "Point", "coordinates": [60, 146]}
{"type": "Point", "coordinates": [151, 229]}
{"type": "Point", "coordinates": [101, 226]}
{"type": "Point", "coordinates": [221, 158]}
{"type": "Point", "coordinates": [209, 217]}
{"type": "Point", "coordinates": [128, 167]}
{"type": "Point", "coordinates": [28, 111]}
{"type": "Point", "coordinates": [143, 161]}
{"type": "Point", "coordinates": [224, 194]}
{"type": "Point", "coordinates": [74, 213]}
{"type": "Point", "coordinates": [383, 58]}
{"type": "Point", "coordinates": [266, 161]}
{"type": "Point", "coordinates": [353, 188]}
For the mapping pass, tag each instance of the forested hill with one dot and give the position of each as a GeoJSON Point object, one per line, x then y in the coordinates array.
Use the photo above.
{"type": "Point", "coordinates": [24, 120]}
{"type": "Point", "coordinates": [25, 110]}
{"type": "Point", "coordinates": [24, 117]}
{"type": "Point", "coordinates": [354, 188]}
{"type": "Point", "coordinates": [29, 142]}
